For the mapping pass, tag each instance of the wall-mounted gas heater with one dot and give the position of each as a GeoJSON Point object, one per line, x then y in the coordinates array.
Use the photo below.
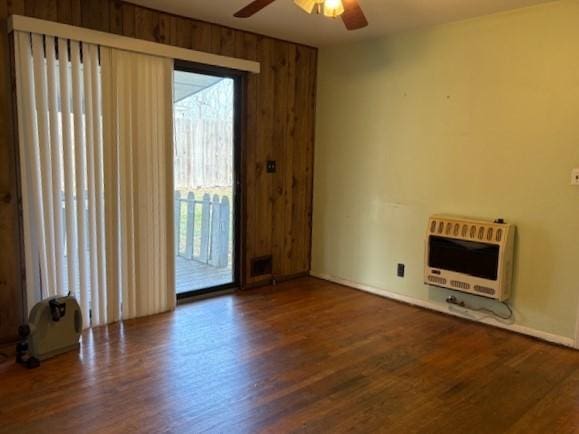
{"type": "Point", "coordinates": [473, 256]}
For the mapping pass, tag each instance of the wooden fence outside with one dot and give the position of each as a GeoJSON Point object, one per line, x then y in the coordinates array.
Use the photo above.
{"type": "Point", "coordinates": [203, 153]}
{"type": "Point", "coordinates": [209, 241]}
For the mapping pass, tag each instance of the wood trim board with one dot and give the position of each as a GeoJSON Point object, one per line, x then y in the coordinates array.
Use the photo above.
{"type": "Point", "coordinates": [34, 25]}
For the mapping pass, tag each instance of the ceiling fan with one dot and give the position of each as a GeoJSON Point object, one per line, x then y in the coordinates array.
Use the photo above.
{"type": "Point", "coordinates": [349, 10]}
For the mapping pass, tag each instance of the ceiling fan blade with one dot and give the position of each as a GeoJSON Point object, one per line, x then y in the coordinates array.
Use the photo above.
{"type": "Point", "coordinates": [252, 8]}
{"type": "Point", "coordinates": [353, 17]}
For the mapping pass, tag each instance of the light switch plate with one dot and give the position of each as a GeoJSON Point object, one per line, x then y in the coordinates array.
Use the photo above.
{"type": "Point", "coordinates": [575, 177]}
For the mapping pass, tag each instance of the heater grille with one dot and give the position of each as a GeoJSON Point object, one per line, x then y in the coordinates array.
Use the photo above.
{"type": "Point", "coordinates": [459, 285]}
{"type": "Point", "coordinates": [480, 232]}
{"type": "Point", "coordinates": [484, 290]}
{"type": "Point", "coordinates": [261, 266]}
{"type": "Point", "coordinates": [437, 280]}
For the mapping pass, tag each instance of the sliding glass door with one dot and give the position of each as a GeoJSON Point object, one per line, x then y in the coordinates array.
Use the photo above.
{"type": "Point", "coordinates": [205, 170]}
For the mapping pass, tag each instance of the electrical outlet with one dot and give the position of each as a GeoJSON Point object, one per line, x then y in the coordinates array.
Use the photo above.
{"type": "Point", "coordinates": [400, 270]}
{"type": "Point", "coordinates": [271, 166]}
{"type": "Point", "coordinates": [575, 176]}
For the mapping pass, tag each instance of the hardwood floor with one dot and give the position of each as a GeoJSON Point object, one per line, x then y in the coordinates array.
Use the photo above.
{"type": "Point", "coordinates": [305, 356]}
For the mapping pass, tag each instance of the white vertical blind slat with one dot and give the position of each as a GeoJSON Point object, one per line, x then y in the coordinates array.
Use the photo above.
{"type": "Point", "coordinates": [127, 250]}
{"type": "Point", "coordinates": [145, 168]}
{"type": "Point", "coordinates": [157, 210]}
{"type": "Point", "coordinates": [161, 192]}
{"type": "Point", "coordinates": [56, 168]}
{"type": "Point", "coordinates": [33, 231]}
{"type": "Point", "coordinates": [132, 214]}
{"type": "Point", "coordinates": [80, 180]}
{"type": "Point", "coordinates": [140, 205]}
{"type": "Point", "coordinates": [90, 163]}
{"type": "Point", "coordinates": [44, 145]}
{"type": "Point", "coordinates": [111, 188]}
{"type": "Point", "coordinates": [68, 160]}
{"type": "Point", "coordinates": [99, 184]}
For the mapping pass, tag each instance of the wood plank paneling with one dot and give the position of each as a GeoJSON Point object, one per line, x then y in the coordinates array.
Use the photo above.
{"type": "Point", "coordinates": [146, 24]}
{"type": "Point", "coordinates": [116, 17]}
{"type": "Point", "coordinates": [259, 195]}
{"type": "Point", "coordinates": [14, 7]}
{"type": "Point", "coordinates": [95, 15]}
{"type": "Point", "coordinates": [294, 148]}
{"type": "Point", "coordinates": [223, 41]}
{"type": "Point", "coordinates": [186, 33]}
{"type": "Point", "coordinates": [128, 19]}
{"type": "Point", "coordinates": [279, 121]}
{"type": "Point", "coordinates": [281, 153]}
{"type": "Point", "coordinates": [168, 30]}
{"type": "Point", "coordinates": [45, 10]}
{"type": "Point", "coordinates": [305, 133]}
{"type": "Point", "coordinates": [64, 12]}
{"type": "Point", "coordinates": [11, 308]}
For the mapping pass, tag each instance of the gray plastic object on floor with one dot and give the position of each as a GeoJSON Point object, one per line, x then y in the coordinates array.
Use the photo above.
{"type": "Point", "coordinates": [55, 327]}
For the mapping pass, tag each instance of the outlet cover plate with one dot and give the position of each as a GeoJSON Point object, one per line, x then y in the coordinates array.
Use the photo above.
{"type": "Point", "coordinates": [400, 270]}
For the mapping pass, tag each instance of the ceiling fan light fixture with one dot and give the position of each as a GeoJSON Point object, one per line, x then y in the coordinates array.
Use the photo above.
{"type": "Point", "coordinates": [333, 8]}
{"type": "Point", "coordinates": [309, 6]}
{"type": "Point", "coordinates": [351, 14]}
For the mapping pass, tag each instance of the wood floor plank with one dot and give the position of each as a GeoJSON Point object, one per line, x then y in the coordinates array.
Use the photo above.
{"type": "Point", "coordinates": [303, 356]}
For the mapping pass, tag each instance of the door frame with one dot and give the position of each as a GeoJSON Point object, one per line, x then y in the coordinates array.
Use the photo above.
{"type": "Point", "coordinates": [239, 101]}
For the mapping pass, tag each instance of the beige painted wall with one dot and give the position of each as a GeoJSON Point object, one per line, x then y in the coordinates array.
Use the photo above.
{"type": "Point", "coordinates": [477, 118]}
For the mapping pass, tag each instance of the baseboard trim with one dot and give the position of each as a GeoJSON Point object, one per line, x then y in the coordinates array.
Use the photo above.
{"type": "Point", "coordinates": [549, 337]}
{"type": "Point", "coordinates": [285, 278]}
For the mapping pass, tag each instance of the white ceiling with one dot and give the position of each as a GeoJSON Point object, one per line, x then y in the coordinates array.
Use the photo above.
{"type": "Point", "coordinates": [284, 20]}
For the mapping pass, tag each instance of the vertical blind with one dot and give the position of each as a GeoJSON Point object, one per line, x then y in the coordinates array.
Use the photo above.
{"type": "Point", "coordinates": [61, 168]}
{"type": "Point", "coordinates": [139, 171]}
{"type": "Point", "coordinates": [100, 238]}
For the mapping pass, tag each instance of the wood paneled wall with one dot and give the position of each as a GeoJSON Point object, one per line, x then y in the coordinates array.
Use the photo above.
{"type": "Point", "coordinates": [279, 126]}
